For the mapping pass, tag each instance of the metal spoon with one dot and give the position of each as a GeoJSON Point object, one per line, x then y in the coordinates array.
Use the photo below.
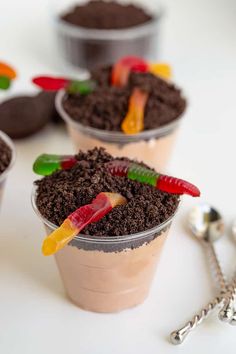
{"type": "Point", "coordinates": [228, 313]}
{"type": "Point", "coordinates": [206, 224]}
{"type": "Point", "coordinates": [233, 319]}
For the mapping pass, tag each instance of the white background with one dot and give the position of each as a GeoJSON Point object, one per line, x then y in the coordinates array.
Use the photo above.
{"type": "Point", "coordinates": [199, 40]}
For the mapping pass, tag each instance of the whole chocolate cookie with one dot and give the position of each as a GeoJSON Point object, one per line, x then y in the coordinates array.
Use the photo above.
{"type": "Point", "coordinates": [23, 116]}
{"type": "Point", "coordinates": [47, 99]}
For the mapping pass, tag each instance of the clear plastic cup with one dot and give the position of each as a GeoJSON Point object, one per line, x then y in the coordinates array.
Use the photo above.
{"type": "Point", "coordinates": [152, 146]}
{"type": "Point", "coordinates": [3, 176]}
{"type": "Point", "coordinates": [109, 274]}
{"type": "Point", "coordinates": [88, 48]}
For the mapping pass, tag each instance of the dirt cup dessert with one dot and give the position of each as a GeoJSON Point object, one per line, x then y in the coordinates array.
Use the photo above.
{"type": "Point", "coordinates": [107, 220]}
{"type": "Point", "coordinates": [130, 109]}
{"type": "Point", "coordinates": [7, 158]}
{"type": "Point", "coordinates": [99, 32]}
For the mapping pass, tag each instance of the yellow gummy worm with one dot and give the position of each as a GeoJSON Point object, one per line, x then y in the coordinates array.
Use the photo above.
{"type": "Point", "coordinates": [160, 69]}
{"type": "Point", "coordinates": [59, 238]}
{"type": "Point", "coordinates": [76, 221]}
{"type": "Point", "coordinates": [133, 121]}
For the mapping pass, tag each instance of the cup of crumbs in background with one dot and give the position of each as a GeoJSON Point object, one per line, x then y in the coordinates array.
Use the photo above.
{"type": "Point", "coordinates": [100, 32]}
{"type": "Point", "coordinates": [96, 119]}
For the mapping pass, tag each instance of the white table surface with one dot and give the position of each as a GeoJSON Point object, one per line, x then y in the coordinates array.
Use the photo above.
{"type": "Point", "coordinates": [199, 40]}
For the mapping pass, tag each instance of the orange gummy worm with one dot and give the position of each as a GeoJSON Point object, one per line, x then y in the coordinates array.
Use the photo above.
{"type": "Point", "coordinates": [6, 70]}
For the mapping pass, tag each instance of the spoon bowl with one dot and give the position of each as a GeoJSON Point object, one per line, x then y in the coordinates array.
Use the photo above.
{"type": "Point", "coordinates": [206, 223]}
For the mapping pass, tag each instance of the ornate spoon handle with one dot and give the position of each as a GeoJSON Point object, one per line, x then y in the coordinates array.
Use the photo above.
{"type": "Point", "coordinates": [215, 265]}
{"type": "Point", "coordinates": [227, 313]}
{"type": "Point", "coordinates": [178, 336]}
{"type": "Point", "coordinates": [233, 318]}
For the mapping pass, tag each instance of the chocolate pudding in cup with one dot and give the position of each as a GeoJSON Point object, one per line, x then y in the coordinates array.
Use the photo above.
{"type": "Point", "coordinates": [110, 266]}
{"type": "Point", "coordinates": [96, 119]}
{"type": "Point", "coordinates": [95, 33]}
{"type": "Point", "coordinates": [7, 159]}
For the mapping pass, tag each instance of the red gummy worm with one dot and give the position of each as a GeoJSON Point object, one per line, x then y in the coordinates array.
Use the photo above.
{"type": "Point", "coordinates": [123, 67]}
{"type": "Point", "coordinates": [176, 186]}
{"type": "Point", "coordinates": [165, 183]}
{"type": "Point", "coordinates": [68, 163]}
{"type": "Point", "coordinates": [50, 83]}
{"type": "Point", "coordinates": [140, 68]}
{"type": "Point", "coordinates": [93, 212]}
{"type": "Point", "coordinates": [118, 167]}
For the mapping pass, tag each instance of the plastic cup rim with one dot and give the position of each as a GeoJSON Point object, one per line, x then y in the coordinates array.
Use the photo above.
{"type": "Point", "coordinates": [110, 34]}
{"type": "Point", "coordinates": [107, 239]}
{"type": "Point", "coordinates": [11, 145]}
{"type": "Point", "coordinates": [111, 136]}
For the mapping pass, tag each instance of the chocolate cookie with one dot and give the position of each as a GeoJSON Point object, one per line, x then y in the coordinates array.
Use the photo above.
{"type": "Point", "coordinates": [24, 116]}
{"type": "Point", "coordinates": [47, 99]}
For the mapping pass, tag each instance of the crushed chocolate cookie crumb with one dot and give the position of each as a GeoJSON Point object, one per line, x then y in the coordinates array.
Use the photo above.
{"type": "Point", "coordinates": [106, 107]}
{"type": "Point", "coordinates": [106, 15]}
{"type": "Point", "coordinates": [5, 156]}
{"type": "Point", "coordinates": [64, 191]}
